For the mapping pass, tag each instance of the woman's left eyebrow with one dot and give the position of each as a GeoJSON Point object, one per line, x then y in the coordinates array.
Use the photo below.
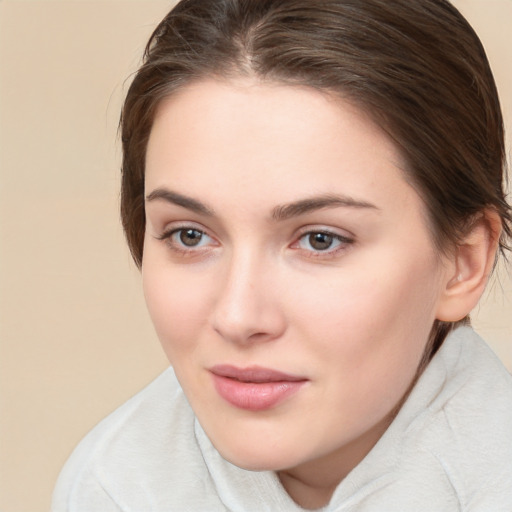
{"type": "Point", "coordinates": [310, 204]}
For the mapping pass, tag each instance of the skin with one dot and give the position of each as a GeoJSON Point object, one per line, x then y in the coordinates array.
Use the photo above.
{"type": "Point", "coordinates": [352, 319]}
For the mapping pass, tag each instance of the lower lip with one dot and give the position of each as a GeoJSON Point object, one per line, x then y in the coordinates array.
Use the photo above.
{"type": "Point", "coordinates": [255, 396]}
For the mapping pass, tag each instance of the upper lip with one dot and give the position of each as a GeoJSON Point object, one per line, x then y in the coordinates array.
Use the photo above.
{"type": "Point", "coordinates": [256, 374]}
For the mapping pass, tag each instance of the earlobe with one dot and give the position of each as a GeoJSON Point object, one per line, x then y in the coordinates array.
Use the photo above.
{"type": "Point", "coordinates": [472, 263]}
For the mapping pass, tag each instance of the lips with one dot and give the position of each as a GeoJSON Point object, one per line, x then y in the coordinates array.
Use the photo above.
{"type": "Point", "coordinates": [254, 388]}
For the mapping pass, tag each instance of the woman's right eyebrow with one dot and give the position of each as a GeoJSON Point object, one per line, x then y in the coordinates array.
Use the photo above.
{"type": "Point", "coordinates": [169, 196]}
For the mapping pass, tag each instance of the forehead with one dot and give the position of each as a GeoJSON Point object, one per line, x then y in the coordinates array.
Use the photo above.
{"type": "Point", "coordinates": [273, 142]}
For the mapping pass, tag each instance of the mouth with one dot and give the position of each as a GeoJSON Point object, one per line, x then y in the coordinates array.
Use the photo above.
{"type": "Point", "coordinates": [254, 388]}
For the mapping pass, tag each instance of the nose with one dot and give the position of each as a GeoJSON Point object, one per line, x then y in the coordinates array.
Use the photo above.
{"type": "Point", "coordinates": [248, 308]}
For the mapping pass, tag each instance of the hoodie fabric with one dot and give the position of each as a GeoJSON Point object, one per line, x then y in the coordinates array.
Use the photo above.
{"type": "Point", "coordinates": [448, 449]}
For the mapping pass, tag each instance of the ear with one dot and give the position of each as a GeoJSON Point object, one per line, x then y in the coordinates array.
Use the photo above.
{"type": "Point", "coordinates": [469, 268]}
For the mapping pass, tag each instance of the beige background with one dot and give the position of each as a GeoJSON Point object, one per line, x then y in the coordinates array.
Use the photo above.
{"type": "Point", "coordinates": [75, 340]}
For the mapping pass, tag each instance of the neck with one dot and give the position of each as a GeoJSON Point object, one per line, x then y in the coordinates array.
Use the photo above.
{"type": "Point", "coordinates": [312, 484]}
{"type": "Point", "coordinates": [308, 496]}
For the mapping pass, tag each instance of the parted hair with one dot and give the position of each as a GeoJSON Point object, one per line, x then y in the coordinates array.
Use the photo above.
{"type": "Point", "coordinates": [416, 67]}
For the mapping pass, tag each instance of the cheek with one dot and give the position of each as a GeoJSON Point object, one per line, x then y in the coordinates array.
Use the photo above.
{"type": "Point", "coordinates": [398, 290]}
{"type": "Point", "coordinates": [372, 337]}
{"type": "Point", "coordinates": [177, 305]}
{"type": "Point", "coordinates": [375, 315]}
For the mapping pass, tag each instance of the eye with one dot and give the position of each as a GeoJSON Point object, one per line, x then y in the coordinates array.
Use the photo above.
{"type": "Point", "coordinates": [189, 237]}
{"type": "Point", "coordinates": [318, 241]}
{"type": "Point", "coordinates": [186, 239]}
{"type": "Point", "coordinates": [322, 242]}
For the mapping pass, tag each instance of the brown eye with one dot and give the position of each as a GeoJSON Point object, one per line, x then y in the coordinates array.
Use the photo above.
{"type": "Point", "coordinates": [190, 237]}
{"type": "Point", "coordinates": [324, 243]}
{"type": "Point", "coordinates": [320, 241]}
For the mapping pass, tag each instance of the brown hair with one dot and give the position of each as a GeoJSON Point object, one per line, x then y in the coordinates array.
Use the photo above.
{"type": "Point", "coordinates": [417, 67]}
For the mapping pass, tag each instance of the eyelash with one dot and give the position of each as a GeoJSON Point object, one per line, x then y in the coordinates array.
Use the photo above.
{"type": "Point", "coordinates": [342, 242]}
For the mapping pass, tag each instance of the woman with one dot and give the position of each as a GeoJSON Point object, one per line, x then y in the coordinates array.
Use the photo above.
{"type": "Point", "coordinates": [314, 194]}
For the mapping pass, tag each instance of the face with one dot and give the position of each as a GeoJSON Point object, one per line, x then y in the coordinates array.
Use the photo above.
{"type": "Point", "coordinates": [288, 269]}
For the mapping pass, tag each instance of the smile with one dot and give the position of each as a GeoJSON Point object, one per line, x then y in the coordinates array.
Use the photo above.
{"type": "Point", "coordinates": [254, 388]}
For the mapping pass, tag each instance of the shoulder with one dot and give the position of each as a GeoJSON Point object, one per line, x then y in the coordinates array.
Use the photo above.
{"type": "Point", "coordinates": [475, 399]}
{"type": "Point", "coordinates": [465, 433]}
{"type": "Point", "coordinates": [133, 454]}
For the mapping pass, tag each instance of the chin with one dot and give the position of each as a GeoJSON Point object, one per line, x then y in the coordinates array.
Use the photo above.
{"type": "Point", "coordinates": [257, 462]}
{"type": "Point", "coordinates": [257, 456]}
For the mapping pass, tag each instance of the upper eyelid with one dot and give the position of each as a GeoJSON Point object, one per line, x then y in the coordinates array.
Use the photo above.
{"type": "Point", "coordinates": [167, 233]}
{"type": "Point", "coordinates": [337, 232]}
{"type": "Point", "coordinates": [325, 232]}
{"type": "Point", "coordinates": [170, 227]}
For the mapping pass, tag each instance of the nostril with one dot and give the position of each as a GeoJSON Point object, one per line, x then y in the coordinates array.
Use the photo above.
{"type": "Point", "coordinates": [248, 325]}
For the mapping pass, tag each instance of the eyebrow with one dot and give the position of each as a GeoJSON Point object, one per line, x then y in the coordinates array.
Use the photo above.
{"type": "Point", "coordinates": [279, 213]}
{"type": "Point", "coordinates": [174, 198]}
{"type": "Point", "coordinates": [307, 205]}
